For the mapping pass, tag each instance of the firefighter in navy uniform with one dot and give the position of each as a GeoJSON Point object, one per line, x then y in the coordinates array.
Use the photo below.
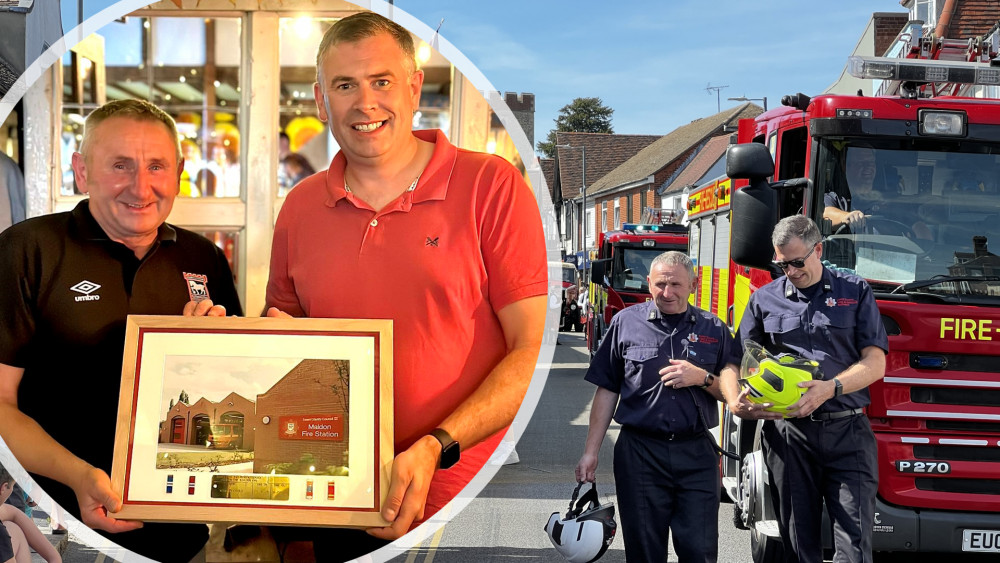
{"type": "Point", "coordinates": [824, 448]}
{"type": "Point", "coordinates": [655, 371]}
{"type": "Point", "coordinates": [70, 279]}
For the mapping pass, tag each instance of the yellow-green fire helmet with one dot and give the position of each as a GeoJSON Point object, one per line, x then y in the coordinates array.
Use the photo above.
{"type": "Point", "coordinates": [774, 379]}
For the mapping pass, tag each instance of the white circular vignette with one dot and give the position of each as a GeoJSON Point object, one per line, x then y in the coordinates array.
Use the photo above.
{"type": "Point", "coordinates": [541, 192]}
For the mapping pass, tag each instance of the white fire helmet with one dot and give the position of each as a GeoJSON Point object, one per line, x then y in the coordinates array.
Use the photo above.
{"type": "Point", "coordinates": [587, 530]}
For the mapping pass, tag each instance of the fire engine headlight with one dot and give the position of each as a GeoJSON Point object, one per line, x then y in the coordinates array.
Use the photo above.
{"type": "Point", "coordinates": [951, 123]}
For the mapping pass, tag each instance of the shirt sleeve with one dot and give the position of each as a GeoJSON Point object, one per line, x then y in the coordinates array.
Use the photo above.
{"type": "Point", "coordinates": [6, 549]}
{"type": "Point", "coordinates": [751, 327]}
{"type": "Point", "coordinates": [17, 304]}
{"type": "Point", "coordinates": [607, 368]}
{"type": "Point", "coordinates": [870, 329]}
{"type": "Point", "coordinates": [830, 199]}
{"type": "Point", "coordinates": [280, 286]}
{"type": "Point", "coordinates": [730, 352]}
{"type": "Point", "coordinates": [512, 241]}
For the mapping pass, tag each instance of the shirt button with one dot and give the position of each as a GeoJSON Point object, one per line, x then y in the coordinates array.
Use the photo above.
{"type": "Point", "coordinates": [374, 223]}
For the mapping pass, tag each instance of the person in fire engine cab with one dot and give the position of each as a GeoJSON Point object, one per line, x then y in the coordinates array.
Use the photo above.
{"type": "Point", "coordinates": [825, 449]}
{"type": "Point", "coordinates": [655, 373]}
{"type": "Point", "coordinates": [868, 205]}
{"type": "Point", "coordinates": [446, 242]}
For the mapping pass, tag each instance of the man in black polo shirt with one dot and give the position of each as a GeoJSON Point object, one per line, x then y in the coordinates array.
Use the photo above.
{"type": "Point", "coordinates": [655, 372]}
{"type": "Point", "coordinates": [70, 280]}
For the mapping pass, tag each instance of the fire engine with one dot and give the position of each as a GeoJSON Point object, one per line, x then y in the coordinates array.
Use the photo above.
{"type": "Point", "coordinates": [922, 159]}
{"type": "Point", "coordinates": [618, 274]}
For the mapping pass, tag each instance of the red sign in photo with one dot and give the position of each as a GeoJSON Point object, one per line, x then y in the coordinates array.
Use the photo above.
{"type": "Point", "coordinates": [311, 427]}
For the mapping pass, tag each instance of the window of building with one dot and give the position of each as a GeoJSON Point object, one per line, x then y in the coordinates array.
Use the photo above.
{"type": "Point", "coordinates": [189, 67]}
{"type": "Point", "coordinates": [618, 214]}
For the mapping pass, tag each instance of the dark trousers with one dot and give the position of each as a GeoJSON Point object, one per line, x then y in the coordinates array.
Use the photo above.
{"type": "Point", "coordinates": [663, 486]}
{"type": "Point", "coordinates": [810, 461]}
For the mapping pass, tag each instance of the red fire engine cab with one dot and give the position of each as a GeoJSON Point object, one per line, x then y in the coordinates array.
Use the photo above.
{"type": "Point", "coordinates": [922, 160]}
{"type": "Point", "coordinates": [618, 274]}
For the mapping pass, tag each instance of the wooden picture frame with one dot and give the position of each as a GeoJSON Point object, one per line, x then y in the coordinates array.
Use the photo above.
{"type": "Point", "coordinates": [277, 421]}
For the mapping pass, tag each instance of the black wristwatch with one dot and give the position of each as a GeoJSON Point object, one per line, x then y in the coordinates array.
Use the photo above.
{"type": "Point", "coordinates": [451, 452]}
{"type": "Point", "coordinates": [838, 388]}
{"type": "Point", "coordinates": [709, 378]}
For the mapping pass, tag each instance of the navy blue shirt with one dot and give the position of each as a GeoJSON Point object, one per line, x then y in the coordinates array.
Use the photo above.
{"type": "Point", "coordinates": [638, 344]}
{"type": "Point", "coordinates": [832, 326]}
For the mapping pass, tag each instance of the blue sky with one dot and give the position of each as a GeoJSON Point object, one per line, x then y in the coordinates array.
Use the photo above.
{"type": "Point", "coordinates": [650, 60]}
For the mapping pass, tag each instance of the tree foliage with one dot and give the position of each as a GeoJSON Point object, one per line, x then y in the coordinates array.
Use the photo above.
{"type": "Point", "coordinates": [184, 397]}
{"type": "Point", "coordinates": [582, 115]}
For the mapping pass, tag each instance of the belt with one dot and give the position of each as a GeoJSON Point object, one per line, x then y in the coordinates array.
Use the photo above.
{"type": "Point", "coordinates": [820, 416]}
{"type": "Point", "coordinates": [669, 436]}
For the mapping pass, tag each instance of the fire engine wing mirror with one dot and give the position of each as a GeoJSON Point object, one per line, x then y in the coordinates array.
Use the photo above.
{"type": "Point", "coordinates": [599, 270]}
{"type": "Point", "coordinates": [749, 161]}
{"type": "Point", "coordinates": [754, 207]}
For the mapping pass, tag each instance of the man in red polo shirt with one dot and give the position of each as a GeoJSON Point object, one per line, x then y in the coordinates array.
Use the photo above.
{"type": "Point", "coordinates": [446, 242]}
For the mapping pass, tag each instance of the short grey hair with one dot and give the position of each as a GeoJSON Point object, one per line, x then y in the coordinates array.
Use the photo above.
{"type": "Point", "coordinates": [139, 110]}
{"type": "Point", "coordinates": [363, 25]}
{"type": "Point", "coordinates": [673, 258]}
{"type": "Point", "coordinates": [796, 226]}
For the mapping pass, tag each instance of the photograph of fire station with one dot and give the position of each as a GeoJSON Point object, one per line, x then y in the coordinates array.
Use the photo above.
{"type": "Point", "coordinates": [296, 422]}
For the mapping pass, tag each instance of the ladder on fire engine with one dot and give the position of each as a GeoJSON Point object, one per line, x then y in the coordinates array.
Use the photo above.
{"type": "Point", "coordinates": [651, 216]}
{"type": "Point", "coordinates": [911, 43]}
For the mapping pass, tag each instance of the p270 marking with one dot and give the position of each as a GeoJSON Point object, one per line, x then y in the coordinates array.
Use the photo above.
{"type": "Point", "coordinates": [912, 466]}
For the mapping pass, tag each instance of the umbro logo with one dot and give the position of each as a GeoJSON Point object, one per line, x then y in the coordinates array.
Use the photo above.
{"type": "Point", "coordinates": [86, 288]}
{"type": "Point", "coordinates": [432, 241]}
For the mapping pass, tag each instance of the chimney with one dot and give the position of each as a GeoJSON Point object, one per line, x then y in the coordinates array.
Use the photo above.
{"type": "Point", "coordinates": [979, 246]}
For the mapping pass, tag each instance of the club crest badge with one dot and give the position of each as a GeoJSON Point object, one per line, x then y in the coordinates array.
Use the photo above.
{"type": "Point", "coordinates": [197, 285]}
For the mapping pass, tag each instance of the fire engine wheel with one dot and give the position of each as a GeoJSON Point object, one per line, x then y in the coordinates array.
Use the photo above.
{"type": "Point", "coordinates": [765, 548]}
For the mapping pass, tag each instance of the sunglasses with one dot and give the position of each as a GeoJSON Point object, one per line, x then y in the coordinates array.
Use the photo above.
{"type": "Point", "coordinates": [799, 263]}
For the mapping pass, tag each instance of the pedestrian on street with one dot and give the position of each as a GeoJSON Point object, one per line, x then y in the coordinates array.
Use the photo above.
{"type": "Point", "coordinates": [71, 280]}
{"type": "Point", "coordinates": [825, 450]}
{"type": "Point", "coordinates": [655, 371]}
{"type": "Point", "coordinates": [447, 243]}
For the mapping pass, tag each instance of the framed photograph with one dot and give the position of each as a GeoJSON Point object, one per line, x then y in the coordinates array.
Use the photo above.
{"type": "Point", "coordinates": [255, 420]}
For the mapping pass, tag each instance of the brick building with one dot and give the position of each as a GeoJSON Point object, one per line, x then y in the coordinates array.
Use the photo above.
{"type": "Point", "coordinates": [313, 397]}
{"type": "Point", "coordinates": [621, 195]}
{"type": "Point", "coordinates": [201, 421]}
{"type": "Point", "coordinates": [604, 152]}
{"type": "Point", "coordinates": [305, 412]}
{"type": "Point", "coordinates": [708, 163]}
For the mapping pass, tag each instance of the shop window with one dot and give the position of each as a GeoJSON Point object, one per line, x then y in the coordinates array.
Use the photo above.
{"type": "Point", "coordinates": [189, 67]}
{"type": "Point", "coordinates": [228, 242]}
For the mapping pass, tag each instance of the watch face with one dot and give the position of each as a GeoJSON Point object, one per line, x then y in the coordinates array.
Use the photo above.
{"type": "Point", "coordinates": [449, 455]}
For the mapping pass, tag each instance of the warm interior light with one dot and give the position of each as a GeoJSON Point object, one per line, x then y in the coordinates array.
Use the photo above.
{"type": "Point", "coordinates": [423, 54]}
{"type": "Point", "coordinates": [303, 26]}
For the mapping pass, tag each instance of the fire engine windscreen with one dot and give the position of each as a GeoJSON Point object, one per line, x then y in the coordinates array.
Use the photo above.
{"type": "Point", "coordinates": [630, 274]}
{"type": "Point", "coordinates": [927, 209]}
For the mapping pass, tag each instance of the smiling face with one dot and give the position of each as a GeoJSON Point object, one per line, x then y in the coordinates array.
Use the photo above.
{"type": "Point", "coordinates": [368, 93]}
{"type": "Point", "coordinates": [670, 285]}
{"type": "Point", "coordinates": [860, 168]}
{"type": "Point", "coordinates": [811, 272]}
{"type": "Point", "coordinates": [132, 175]}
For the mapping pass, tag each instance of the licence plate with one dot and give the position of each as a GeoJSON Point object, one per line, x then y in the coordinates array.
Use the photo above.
{"type": "Point", "coordinates": [986, 541]}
